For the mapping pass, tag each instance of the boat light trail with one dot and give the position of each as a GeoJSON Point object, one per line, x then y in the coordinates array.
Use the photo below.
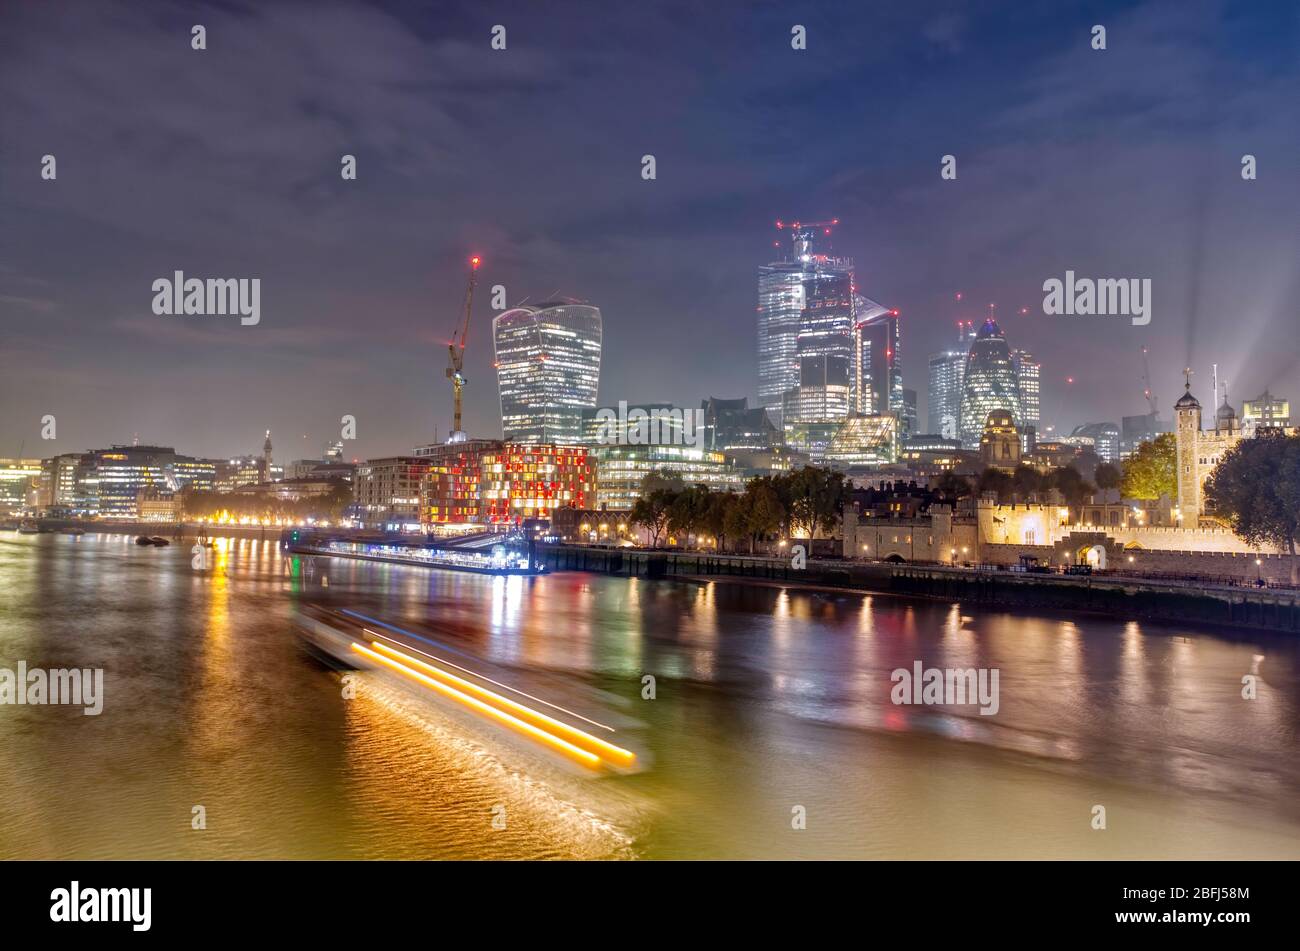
{"type": "Point", "coordinates": [540, 721]}
{"type": "Point", "coordinates": [590, 760]}
{"type": "Point", "coordinates": [474, 673]}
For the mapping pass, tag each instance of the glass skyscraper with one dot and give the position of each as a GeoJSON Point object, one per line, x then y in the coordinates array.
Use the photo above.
{"type": "Point", "coordinates": [877, 367]}
{"type": "Point", "coordinates": [1028, 371]}
{"type": "Point", "coordinates": [548, 370]}
{"type": "Point", "coordinates": [947, 370]}
{"type": "Point", "coordinates": [805, 330]}
{"type": "Point", "coordinates": [825, 345]}
{"type": "Point", "coordinates": [989, 383]}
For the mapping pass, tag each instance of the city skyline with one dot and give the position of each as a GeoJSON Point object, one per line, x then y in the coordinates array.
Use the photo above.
{"type": "Point", "coordinates": [360, 292]}
{"type": "Point", "coordinates": [648, 432]}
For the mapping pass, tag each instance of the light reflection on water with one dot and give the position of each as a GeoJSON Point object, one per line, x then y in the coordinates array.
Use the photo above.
{"type": "Point", "coordinates": [767, 699]}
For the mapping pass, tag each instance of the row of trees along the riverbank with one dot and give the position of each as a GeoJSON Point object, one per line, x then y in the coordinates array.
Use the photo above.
{"type": "Point", "coordinates": [1255, 491]}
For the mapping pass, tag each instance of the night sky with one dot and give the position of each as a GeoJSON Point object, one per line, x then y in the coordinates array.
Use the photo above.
{"type": "Point", "coordinates": [225, 163]}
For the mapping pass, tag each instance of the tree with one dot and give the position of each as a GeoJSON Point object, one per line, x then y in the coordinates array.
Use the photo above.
{"type": "Point", "coordinates": [714, 520]}
{"type": "Point", "coordinates": [735, 522]}
{"type": "Point", "coordinates": [1108, 476]}
{"type": "Point", "coordinates": [761, 510]}
{"type": "Point", "coordinates": [952, 486]}
{"type": "Point", "coordinates": [1072, 486]}
{"type": "Point", "coordinates": [1027, 480]}
{"type": "Point", "coordinates": [651, 512]}
{"type": "Point", "coordinates": [1256, 488]}
{"type": "Point", "coordinates": [687, 512]}
{"type": "Point", "coordinates": [997, 482]}
{"type": "Point", "coordinates": [816, 499]}
{"type": "Point", "coordinates": [1152, 470]}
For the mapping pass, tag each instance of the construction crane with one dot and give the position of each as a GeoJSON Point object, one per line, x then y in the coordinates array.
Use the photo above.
{"type": "Point", "coordinates": [799, 225]}
{"type": "Point", "coordinates": [456, 351]}
{"type": "Point", "coordinates": [1146, 384]}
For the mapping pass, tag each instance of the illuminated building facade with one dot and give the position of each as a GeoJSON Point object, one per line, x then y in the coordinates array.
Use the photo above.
{"type": "Point", "coordinates": [548, 370]}
{"type": "Point", "coordinates": [111, 479]}
{"type": "Point", "coordinates": [989, 383]}
{"type": "Point", "coordinates": [451, 491]}
{"type": "Point", "coordinates": [621, 470]}
{"type": "Point", "coordinates": [16, 479]}
{"type": "Point", "coordinates": [929, 457]}
{"type": "Point", "coordinates": [1028, 373]}
{"type": "Point", "coordinates": [864, 441]}
{"type": "Point", "coordinates": [805, 329]}
{"type": "Point", "coordinates": [522, 481]}
{"type": "Point", "coordinates": [946, 373]}
{"type": "Point", "coordinates": [877, 360]}
{"type": "Point", "coordinates": [1267, 412]}
{"type": "Point", "coordinates": [241, 470]}
{"type": "Point", "coordinates": [1105, 439]}
{"type": "Point", "coordinates": [386, 492]}
{"type": "Point", "coordinates": [62, 471]}
{"type": "Point", "coordinates": [825, 345]}
{"type": "Point", "coordinates": [153, 505]}
{"type": "Point", "coordinates": [1199, 451]}
{"type": "Point", "coordinates": [1000, 441]}
{"type": "Point", "coordinates": [642, 424]}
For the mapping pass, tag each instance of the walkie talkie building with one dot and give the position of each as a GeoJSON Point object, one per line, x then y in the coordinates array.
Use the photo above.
{"type": "Point", "coordinates": [548, 370]}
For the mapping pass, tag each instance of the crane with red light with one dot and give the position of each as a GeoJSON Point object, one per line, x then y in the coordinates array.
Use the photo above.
{"type": "Point", "coordinates": [456, 351]}
{"type": "Point", "coordinates": [826, 225]}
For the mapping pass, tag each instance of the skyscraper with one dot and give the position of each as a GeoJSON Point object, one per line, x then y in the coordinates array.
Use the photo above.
{"type": "Point", "coordinates": [548, 370]}
{"type": "Point", "coordinates": [805, 313]}
{"type": "Point", "coordinates": [908, 424]}
{"type": "Point", "coordinates": [825, 344]}
{"type": "Point", "coordinates": [947, 369]}
{"type": "Point", "coordinates": [1028, 371]}
{"type": "Point", "coordinates": [877, 366]}
{"type": "Point", "coordinates": [988, 383]}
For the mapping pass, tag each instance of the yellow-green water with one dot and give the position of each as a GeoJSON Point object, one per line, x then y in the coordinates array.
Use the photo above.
{"type": "Point", "coordinates": [766, 700]}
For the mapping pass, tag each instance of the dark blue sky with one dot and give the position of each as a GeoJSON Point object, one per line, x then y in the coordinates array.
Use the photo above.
{"type": "Point", "coordinates": [225, 163]}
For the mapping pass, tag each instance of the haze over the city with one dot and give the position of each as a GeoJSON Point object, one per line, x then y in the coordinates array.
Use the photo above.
{"type": "Point", "coordinates": [225, 162]}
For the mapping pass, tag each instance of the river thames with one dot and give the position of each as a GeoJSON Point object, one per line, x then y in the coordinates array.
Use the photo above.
{"type": "Point", "coordinates": [769, 704]}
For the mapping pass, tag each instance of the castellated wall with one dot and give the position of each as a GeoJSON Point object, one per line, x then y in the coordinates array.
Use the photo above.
{"type": "Point", "coordinates": [1041, 525]}
{"type": "Point", "coordinates": [1189, 539]}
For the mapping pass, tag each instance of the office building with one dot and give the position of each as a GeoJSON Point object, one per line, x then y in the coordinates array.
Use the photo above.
{"type": "Point", "coordinates": [1266, 412]}
{"type": "Point", "coordinates": [548, 370]}
{"type": "Point", "coordinates": [1028, 373]}
{"type": "Point", "coordinates": [386, 492]}
{"type": "Point", "coordinates": [946, 373]}
{"type": "Point", "coordinates": [530, 481]}
{"type": "Point", "coordinates": [989, 383]}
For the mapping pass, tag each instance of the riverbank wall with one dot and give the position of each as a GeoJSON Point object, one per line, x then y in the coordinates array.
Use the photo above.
{"type": "Point", "coordinates": [1270, 609]}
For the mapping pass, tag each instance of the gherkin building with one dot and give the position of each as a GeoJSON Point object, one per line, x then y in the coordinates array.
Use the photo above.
{"type": "Point", "coordinates": [989, 383]}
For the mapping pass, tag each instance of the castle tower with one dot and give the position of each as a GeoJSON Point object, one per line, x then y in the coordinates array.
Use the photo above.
{"type": "Point", "coordinates": [1225, 420]}
{"type": "Point", "coordinates": [1187, 437]}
